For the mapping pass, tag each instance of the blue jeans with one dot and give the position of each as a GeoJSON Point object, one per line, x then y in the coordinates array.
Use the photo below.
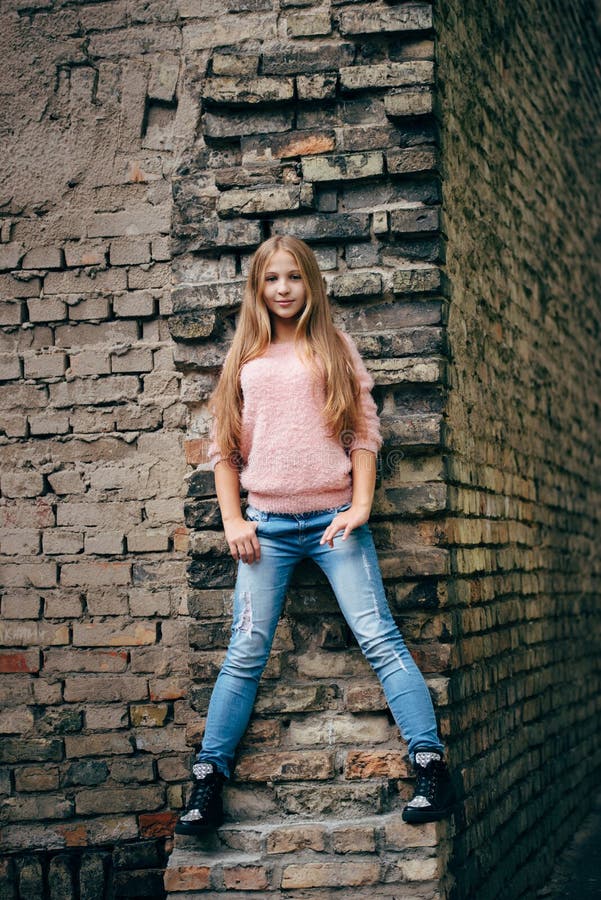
{"type": "Point", "coordinates": [352, 569]}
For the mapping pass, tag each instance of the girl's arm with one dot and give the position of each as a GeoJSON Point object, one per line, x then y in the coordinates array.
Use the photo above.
{"type": "Point", "coordinates": [363, 466]}
{"type": "Point", "coordinates": [239, 532]}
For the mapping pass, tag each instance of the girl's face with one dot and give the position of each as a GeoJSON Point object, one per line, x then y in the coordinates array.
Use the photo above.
{"type": "Point", "coordinates": [283, 287]}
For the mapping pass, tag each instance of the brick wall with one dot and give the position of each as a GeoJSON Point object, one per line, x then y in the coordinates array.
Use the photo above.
{"type": "Point", "coordinates": [317, 122]}
{"type": "Point", "coordinates": [93, 645]}
{"type": "Point", "coordinates": [150, 148]}
{"type": "Point", "coordinates": [518, 96]}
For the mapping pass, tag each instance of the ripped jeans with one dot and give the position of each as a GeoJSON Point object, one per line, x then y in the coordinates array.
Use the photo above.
{"type": "Point", "coordinates": [352, 569]}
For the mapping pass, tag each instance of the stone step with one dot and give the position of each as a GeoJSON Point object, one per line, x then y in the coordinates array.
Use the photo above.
{"type": "Point", "coordinates": [312, 858]}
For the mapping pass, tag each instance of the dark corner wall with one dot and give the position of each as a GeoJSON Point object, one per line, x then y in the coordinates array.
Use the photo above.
{"type": "Point", "coordinates": [519, 103]}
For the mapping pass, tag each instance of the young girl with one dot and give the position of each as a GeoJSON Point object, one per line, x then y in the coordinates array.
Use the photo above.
{"type": "Point", "coordinates": [296, 426]}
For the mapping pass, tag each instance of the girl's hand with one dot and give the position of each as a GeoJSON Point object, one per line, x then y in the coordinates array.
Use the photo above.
{"type": "Point", "coordinates": [347, 520]}
{"type": "Point", "coordinates": [242, 540]}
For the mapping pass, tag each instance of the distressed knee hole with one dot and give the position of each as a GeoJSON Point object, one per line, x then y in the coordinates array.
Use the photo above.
{"type": "Point", "coordinates": [244, 622]}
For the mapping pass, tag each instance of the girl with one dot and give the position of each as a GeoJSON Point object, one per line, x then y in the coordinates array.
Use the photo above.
{"type": "Point", "coordinates": [296, 426]}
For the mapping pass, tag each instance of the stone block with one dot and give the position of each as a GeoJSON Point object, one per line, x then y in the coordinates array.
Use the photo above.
{"type": "Point", "coordinates": [409, 103]}
{"type": "Point", "coordinates": [306, 58]}
{"type": "Point", "coordinates": [20, 541]}
{"type": "Point", "coordinates": [11, 255]}
{"type": "Point", "coordinates": [21, 605]}
{"type": "Point", "coordinates": [310, 23]}
{"type": "Point", "coordinates": [11, 313]}
{"type": "Point", "coordinates": [44, 258]}
{"type": "Point", "coordinates": [316, 87]}
{"type": "Point", "coordinates": [324, 227]}
{"type": "Point", "coordinates": [260, 200]}
{"type": "Point", "coordinates": [67, 481]}
{"type": "Point", "coordinates": [83, 392]}
{"type": "Point", "coordinates": [330, 874]}
{"type": "Point", "coordinates": [134, 304]}
{"type": "Point", "coordinates": [164, 73]}
{"type": "Point", "coordinates": [390, 74]}
{"type": "Point", "coordinates": [107, 634]}
{"type": "Point", "coordinates": [49, 423]}
{"type": "Point", "coordinates": [37, 778]}
{"type": "Point", "coordinates": [84, 308]}
{"type": "Point", "coordinates": [22, 484]}
{"type": "Point", "coordinates": [127, 252]}
{"type": "Point", "coordinates": [343, 166]}
{"type": "Point", "coordinates": [61, 541]}
{"type": "Point", "coordinates": [83, 253]}
{"type": "Point", "coordinates": [245, 878]}
{"type": "Point", "coordinates": [357, 284]}
{"type": "Point", "coordinates": [140, 218]}
{"type": "Point", "coordinates": [285, 146]}
{"type": "Point", "coordinates": [240, 123]}
{"type": "Point", "coordinates": [219, 32]}
{"type": "Point", "coordinates": [10, 367]}
{"type": "Point", "coordinates": [414, 221]}
{"type": "Point", "coordinates": [50, 364]}
{"type": "Point", "coordinates": [353, 839]}
{"type": "Point", "coordinates": [362, 764]}
{"type": "Point", "coordinates": [138, 359]}
{"type": "Point", "coordinates": [148, 715]}
{"type": "Point", "coordinates": [84, 281]}
{"type": "Point", "coordinates": [84, 573]}
{"type": "Point", "coordinates": [93, 361]}
{"type": "Point", "coordinates": [413, 159]}
{"type": "Point", "coordinates": [366, 20]}
{"type": "Point", "coordinates": [105, 543]}
{"type": "Point", "coordinates": [115, 800]}
{"type": "Point", "coordinates": [17, 288]}
{"type": "Point", "coordinates": [147, 540]}
{"type": "Point", "coordinates": [78, 336]}
{"type": "Point", "coordinates": [97, 661]}
{"type": "Point", "coordinates": [244, 91]}
{"type": "Point", "coordinates": [285, 766]}
{"type": "Point", "coordinates": [12, 661]}
{"type": "Point", "coordinates": [416, 280]}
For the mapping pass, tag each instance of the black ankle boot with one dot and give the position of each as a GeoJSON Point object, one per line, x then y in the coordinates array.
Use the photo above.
{"type": "Point", "coordinates": [205, 806]}
{"type": "Point", "coordinates": [434, 795]}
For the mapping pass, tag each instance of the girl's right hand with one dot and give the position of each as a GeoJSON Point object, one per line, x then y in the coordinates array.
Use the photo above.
{"type": "Point", "coordinates": [242, 540]}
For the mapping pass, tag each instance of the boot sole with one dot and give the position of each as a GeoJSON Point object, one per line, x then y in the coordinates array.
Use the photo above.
{"type": "Point", "coordinates": [200, 828]}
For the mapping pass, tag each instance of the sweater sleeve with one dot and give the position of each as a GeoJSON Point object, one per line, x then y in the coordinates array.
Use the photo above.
{"type": "Point", "coordinates": [367, 435]}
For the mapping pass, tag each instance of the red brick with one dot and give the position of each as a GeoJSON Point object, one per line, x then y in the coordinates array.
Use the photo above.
{"type": "Point", "coordinates": [15, 661]}
{"type": "Point", "coordinates": [376, 764]}
{"type": "Point", "coordinates": [245, 878]}
{"type": "Point", "coordinates": [186, 878]}
{"type": "Point", "coordinates": [156, 825]}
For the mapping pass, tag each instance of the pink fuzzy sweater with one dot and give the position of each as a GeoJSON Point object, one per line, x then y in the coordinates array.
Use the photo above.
{"type": "Point", "coordinates": [289, 462]}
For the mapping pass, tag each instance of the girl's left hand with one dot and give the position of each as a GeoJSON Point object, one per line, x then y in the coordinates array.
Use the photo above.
{"type": "Point", "coordinates": [345, 521]}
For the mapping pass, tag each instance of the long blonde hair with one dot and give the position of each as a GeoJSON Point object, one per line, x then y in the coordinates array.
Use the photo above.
{"type": "Point", "coordinates": [320, 343]}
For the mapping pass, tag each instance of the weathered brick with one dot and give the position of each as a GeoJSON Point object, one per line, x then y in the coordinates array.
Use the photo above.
{"type": "Point", "coordinates": [49, 423]}
{"type": "Point", "coordinates": [134, 304]}
{"type": "Point", "coordinates": [292, 838]}
{"type": "Point", "coordinates": [366, 20]}
{"type": "Point", "coordinates": [21, 605]}
{"type": "Point", "coordinates": [343, 166]}
{"type": "Point", "coordinates": [59, 540]}
{"type": "Point", "coordinates": [73, 574]}
{"type": "Point", "coordinates": [20, 541]}
{"type": "Point", "coordinates": [85, 661]}
{"type": "Point", "coordinates": [111, 800]}
{"type": "Point", "coordinates": [126, 252]}
{"type": "Point", "coordinates": [285, 766]}
{"type": "Point", "coordinates": [10, 367]}
{"type": "Point", "coordinates": [134, 360]}
{"type": "Point", "coordinates": [105, 542]}
{"type": "Point", "coordinates": [243, 90]}
{"type": "Point", "coordinates": [43, 258]}
{"type": "Point", "coordinates": [389, 74]}
{"type": "Point", "coordinates": [330, 874]}
{"type": "Point", "coordinates": [82, 391]}
{"type": "Point", "coordinates": [187, 877]}
{"type": "Point", "coordinates": [106, 634]}
{"type": "Point", "coordinates": [409, 103]}
{"type": "Point", "coordinates": [149, 715]}
{"type": "Point", "coordinates": [22, 484]}
{"type": "Point", "coordinates": [11, 255]}
{"type": "Point", "coordinates": [36, 778]}
{"type": "Point", "coordinates": [104, 744]}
